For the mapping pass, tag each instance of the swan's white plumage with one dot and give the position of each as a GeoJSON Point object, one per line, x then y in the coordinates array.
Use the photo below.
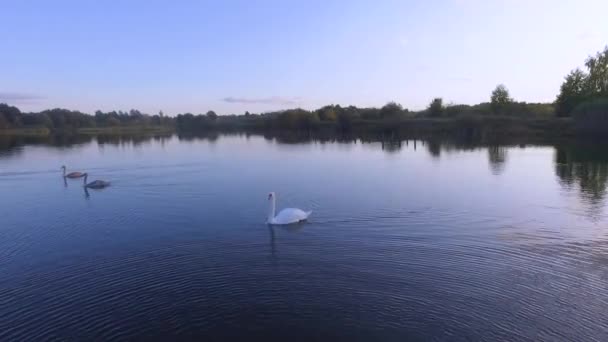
{"type": "Point", "coordinates": [287, 215]}
{"type": "Point", "coordinates": [290, 215]}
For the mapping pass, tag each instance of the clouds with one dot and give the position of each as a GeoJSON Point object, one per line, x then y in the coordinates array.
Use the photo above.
{"type": "Point", "coordinates": [274, 100]}
{"type": "Point", "coordinates": [16, 97]}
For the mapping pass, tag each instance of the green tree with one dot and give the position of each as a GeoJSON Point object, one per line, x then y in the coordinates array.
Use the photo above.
{"type": "Point", "coordinates": [591, 117]}
{"type": "Point", "coordinates": [580, 86]}
{"type": "Point", "coordinates": [436, 108]}
{"type": "Point", "coordinates": [12, 115]}
{"type": "Point", "coordinates": [500, 100]}
{"type": "Point", "coordinates": [3, 122]}
{"type": "Point", "coordinates": [597, 81]}
{"type": "Point", "coordinates": [327, 113]}
{"type": "Point", "coordinates": [391, 110]}
{"type": "Point", "coordinates": [572, 92]}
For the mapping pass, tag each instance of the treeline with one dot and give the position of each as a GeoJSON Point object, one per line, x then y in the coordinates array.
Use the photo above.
{"type": "Point", "coordinates": [64, 120]}
{"type": "Point", "coordinates": [345, 119]}
{"type": "Point", "coordinates": [583, 96]}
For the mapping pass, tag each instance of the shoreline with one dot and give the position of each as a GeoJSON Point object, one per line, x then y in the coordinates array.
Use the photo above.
{"type": "Point", "coordinates": [488, 129]}
{"type": "Point", "coordinates": [45, 132]}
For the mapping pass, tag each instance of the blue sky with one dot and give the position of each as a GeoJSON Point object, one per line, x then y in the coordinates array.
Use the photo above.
{"type": "Point", "coordinates": [232, 56]}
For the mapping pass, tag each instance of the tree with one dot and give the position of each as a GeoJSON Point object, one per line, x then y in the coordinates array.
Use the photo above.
{"type": "Point", "coordinates": [3, 122]}
{"type": "Point", "coordinates": [591, 117]}
{"type": "Point", "coordinates": [572, 92]}
{"type": "Point", "coordinates": [500, 100]}
{"type": "Point", "coordinates": [327, 113]}
{"type": "Point", "coordinates": [391, 110]}
{"type": "Point", "coordinates": [597, 81]}
{"type": "Point", "coordinates": [11, 114]}
{"type": "Point", "coordinates": [436, 108]}
{"type": "Point", "coordinates": [346, 117]}
{"type": "Point", "coordinates": [211, 115]}
{"type": "Point", "coordinates": [580, 86]}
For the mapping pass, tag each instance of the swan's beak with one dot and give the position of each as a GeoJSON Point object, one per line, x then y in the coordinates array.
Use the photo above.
{"type": "Point", "coordinates": [269, 196]}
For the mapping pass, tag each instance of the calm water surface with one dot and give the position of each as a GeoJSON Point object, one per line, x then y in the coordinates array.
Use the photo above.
{"type": "Point", "coordinates": [410, 241]}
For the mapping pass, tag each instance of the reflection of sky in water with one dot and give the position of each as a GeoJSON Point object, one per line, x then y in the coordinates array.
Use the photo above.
{"type": "Point", "coordinates": [515, 183]}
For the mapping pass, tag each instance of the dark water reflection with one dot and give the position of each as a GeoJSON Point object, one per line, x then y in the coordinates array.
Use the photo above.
{"type": "Point", "coordinates": [584, 168]}
{"type": "Point", "coordinates": [409, 239]}
{"type": "Point", "coordinates": [497, 155]}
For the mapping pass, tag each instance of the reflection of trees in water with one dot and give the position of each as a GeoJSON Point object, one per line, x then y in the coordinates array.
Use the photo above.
{"type": "Point", "coordinates": [497, 156]}
{"type": "Point", "coordinates": [391, 146]}
{"type": "Point", "coordinates": [584, 167]}
{"type": "Point", "coordinates": [305, 137]}
{"type": "Point", "coordinates": [134, 140]}
{"type": "Point", "coordinates": [202, 136]}
{"type": "Point", "coordinates": [434, 148]}
{"type": "Point", "coordinates": [12, 145]}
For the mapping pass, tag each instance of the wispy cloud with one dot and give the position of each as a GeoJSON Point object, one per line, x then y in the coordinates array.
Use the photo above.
{"type": "Point", "coordinates": [274, 100]}
{"type": "Point", "coordinates": [14, 97]}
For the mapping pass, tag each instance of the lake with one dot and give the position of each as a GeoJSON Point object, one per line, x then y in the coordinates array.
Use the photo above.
{"type": "Point", "coordinates": [408, 240]}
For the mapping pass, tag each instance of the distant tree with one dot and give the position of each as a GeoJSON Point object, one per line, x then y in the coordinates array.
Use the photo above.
{"type": "Point", "coordinates": [500, 99]}
{"type": "Point", "coordinates": [37, 120]}
{"type": "Point", "coordinates": [453, 110]}
{"type": "Point", "coordinates": [327, 113]}
{"type": "Point", "coordinates": [11, 114]}
{"type": "Point", "coordinates": [211, 115]}
{"type": "Point", "coordinates": [347, 117]}
{"type": "Point", "coordinates": [370, 113]}
{"type": "Point", "coordinates": [156, 120]}
{"type": "Point", "coordinates": [436, 108]}
{"type": "Point", "coordinates": [391, 110]}
{"type": "Point", "coordinates": [247, 113]}
{"type": "Point", "coordinates": [113, 121]}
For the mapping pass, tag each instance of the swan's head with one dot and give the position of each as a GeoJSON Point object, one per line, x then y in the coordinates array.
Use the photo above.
{"type": "Point", "coordinates": [63, 167]}
{"type": "Point", "coordinates": [270, 196]}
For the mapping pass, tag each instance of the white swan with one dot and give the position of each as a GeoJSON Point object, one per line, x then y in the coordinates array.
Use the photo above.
{"type": "Point", "coordinates": [285, 216]}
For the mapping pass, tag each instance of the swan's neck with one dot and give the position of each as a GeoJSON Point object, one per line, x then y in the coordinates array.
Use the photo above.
{"type": "Point", "coordinates": [85, 179]}
{"type": "Point", "coordinates": [63, 171]}
{"type": "Point", "coordinates": [271, 210]}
